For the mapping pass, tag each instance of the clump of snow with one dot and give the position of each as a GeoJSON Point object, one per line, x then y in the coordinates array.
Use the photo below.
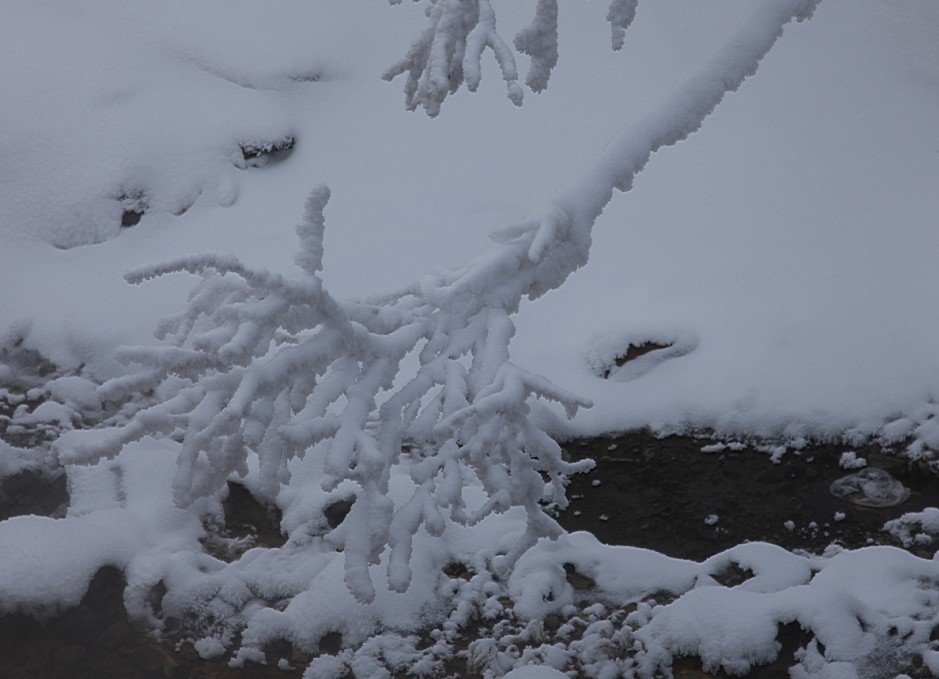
{"type": "Point", "coordinates": [850, 460]}
{"type": "Point", "coordinates": [13, 460]}
{"type": "Point", "coordinates": [915, 526]}
{"type": "Point", "coordinates": [535, 672]}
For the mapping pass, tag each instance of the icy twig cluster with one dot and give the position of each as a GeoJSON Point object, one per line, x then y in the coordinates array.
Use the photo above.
{"type": "Point", "coordinates": [449, 51]}
{"type": "Point", "coordinates": [265, 365]}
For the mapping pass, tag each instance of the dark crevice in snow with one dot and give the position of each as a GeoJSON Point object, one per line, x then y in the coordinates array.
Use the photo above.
{"type": "Point", "coordinates": [262, 153]}
{"type": "Point", "coordinates": [247, 523]}
{"type": "Point", "coordinates": [577, 580]}
{"type": "Point", "coordinates": [732, 575]}
{"type": "Point", "coordinates": [458, 570]}
{"type": "Point", "coordinates": [133, 204]}
{"type": "Point", "coordinates": [628, 356]}
{"type": "Point", "coordinates": [336, 512]}
{"type": "Point", "coordinates": [131, 218]}
{"type": "Point", "coordinates": [634, 352]}
{"type": "Point", "coordinates": [33, 493]}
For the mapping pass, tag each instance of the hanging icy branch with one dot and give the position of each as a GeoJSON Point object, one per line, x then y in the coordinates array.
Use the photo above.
{"type": "Point", "coordinates": [620, 16]}
{"type": "Point", "coordinates": [560, 239]}
{"type": "Point", "coordinates": [449, 51]}
{"type": "Point", "coordinates": [540, 42]}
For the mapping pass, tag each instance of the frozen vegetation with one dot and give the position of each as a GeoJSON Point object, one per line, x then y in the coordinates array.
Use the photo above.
{"type": "Point", "coordinates": [351, 362]}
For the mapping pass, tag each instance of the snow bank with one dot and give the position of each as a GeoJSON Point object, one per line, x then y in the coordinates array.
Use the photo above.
{"type": "Point", "coordinates": [779, 291]}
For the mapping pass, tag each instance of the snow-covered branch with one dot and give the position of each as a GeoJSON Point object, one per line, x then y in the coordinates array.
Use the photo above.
{"type": "Point", "coordinates": [449, 51]}
{"type": "Point", "coordinates": [263, 365]}
{"type": "Point", "coordinates": [259, 364]}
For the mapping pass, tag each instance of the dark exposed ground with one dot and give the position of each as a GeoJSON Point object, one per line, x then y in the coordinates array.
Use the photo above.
{"type": "Point", "coordinates": [657, 493]}
{"type": "Point", "coordinates": [646, 491]}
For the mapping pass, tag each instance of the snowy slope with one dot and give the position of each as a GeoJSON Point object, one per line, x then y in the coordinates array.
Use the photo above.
{"type": "Point", "coordinates": [793, 236]}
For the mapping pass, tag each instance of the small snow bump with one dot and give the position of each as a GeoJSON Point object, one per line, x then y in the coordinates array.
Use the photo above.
{"type": "Point", "coordinates": [713, 448]}
{"type": "Point", "coordinates": [850, 460]}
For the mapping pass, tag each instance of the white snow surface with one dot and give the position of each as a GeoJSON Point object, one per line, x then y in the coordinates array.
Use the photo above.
{"type": "Point", "coordinates": [792, 237]}
{"type": "Point", "coordinates": [786, 252]}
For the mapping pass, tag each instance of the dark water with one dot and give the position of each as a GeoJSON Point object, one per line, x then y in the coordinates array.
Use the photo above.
{"type": "Point", "coordinates": [646, 491]}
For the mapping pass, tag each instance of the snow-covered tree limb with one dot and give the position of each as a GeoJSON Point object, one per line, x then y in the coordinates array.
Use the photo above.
{"type": "Point", "coordinates": [620, 16]}
{"type": "Point", "coordinates": [264, 365]}
{"type": "Point", "coordinates": [449, 51]}
{"type": "Point", "coordinates": [270, 366]}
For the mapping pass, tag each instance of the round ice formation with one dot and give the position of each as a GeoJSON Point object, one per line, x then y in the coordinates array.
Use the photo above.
{"type": "Point", "coordinates": [870, 487]}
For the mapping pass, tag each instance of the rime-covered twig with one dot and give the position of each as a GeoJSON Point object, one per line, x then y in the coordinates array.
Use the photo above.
{"type": "Point", "coordinates": [449, 51]}
{"type": "Point", "coordinates": [264, 365]}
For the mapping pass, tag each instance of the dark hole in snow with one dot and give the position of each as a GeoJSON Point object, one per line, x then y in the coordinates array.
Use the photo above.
{"type": "Point", "coordinates": [732, 575]}
{"type": "Point", "coordinates": [134, 205]}
{"type": "Point", "coordinates": [247, 523]}
{"type": "Point", "coordinates": [244, 515]}
{"type": "Point", "coordinates": [131, 218]}
{"type": "Point", "coordinates": [275, 650]}
{"type": "Point", "coordinates": [155, 597]}
{"type": "Point", "coordinates": [330, 643]}
{"type": "Point", "coordinates": [457, 569]}
{"type": "Point", "coordinates": [634, 351]}
{"type": "Point", "coordinates": [337, 511]}
{"type": "Point", "coordinates": [576, 579]}
{"type": "Point", "coordinates": [259, 154]}
{"type": "Point", "coordinates": [32, 492]}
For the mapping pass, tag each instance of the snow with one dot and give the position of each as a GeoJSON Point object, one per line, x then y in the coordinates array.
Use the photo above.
{"type": "Point", "coordinates": [782, 256]}
{"type": "Point", "coordinates": [534, 672]}
{"type": "Point", "coordinates": [850, 460]}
